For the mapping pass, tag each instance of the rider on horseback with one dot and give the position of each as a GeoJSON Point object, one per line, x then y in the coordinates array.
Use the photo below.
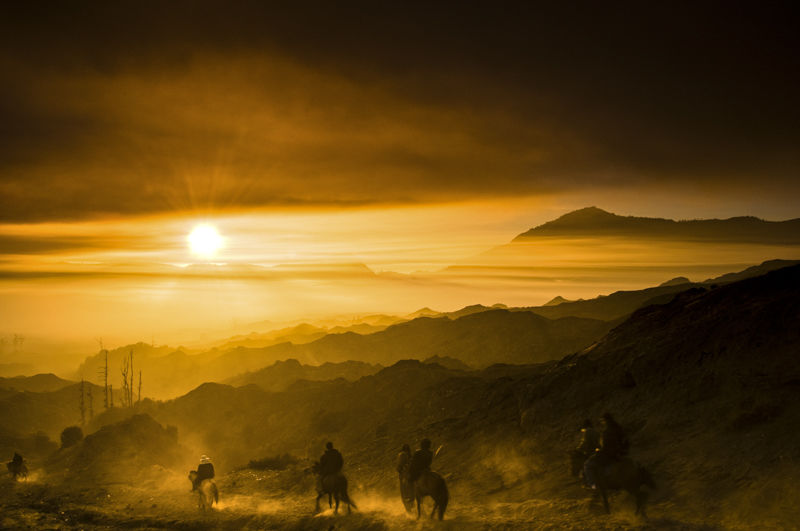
{"type": "Point", "coordinates": [17, 466]}
{"type": "Point", "coordinates": [403, 459]}
{"type": "Point", "coordinates": [331, 462]}
{"type": "Point", "coordinates": [205, 470]}
{"type": "Point", "coordinates": [613, 447]}
{"type": "Point", "coordinates": [590, 440]}
{"type": "Point", "coordinates": [403, 462]}
{"type": "Point", "coordinates": [420, 461]}
{"type": "Point", "coordinates": [17, 460]}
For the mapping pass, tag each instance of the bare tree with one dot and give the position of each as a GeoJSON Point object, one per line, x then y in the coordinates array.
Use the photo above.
{"type": "Point", "coordinates": [127, 380]}
{"type": "Point", "coordinates": [104, 373]}
{"type": "Point", "coordinates": [91, 401]}
{"type": "Point", "coordinates": [125, 394]}
{"type": "Point", "coordinates": [83, 409]}
{"type": "Point", "coordinates": [130, 387]}
{"type": "Point", "coordinates": [139, 398]}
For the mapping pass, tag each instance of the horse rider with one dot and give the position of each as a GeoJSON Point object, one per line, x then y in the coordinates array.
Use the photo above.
{"type": "Point", "coordinates": [420, 461]}
{"type": "Point", "coordinates": [17, 460]}
{"type": "Point", "coordinates": [614, 446]}
{"type": "Point", "coordinates": [590, 441]}
{"type": "Point", "coordinates": [330, 463]}
{"type": "Point", "coordinates": [15, 466]}
{"type": "Point", "coordinates": [205, 470]}
{"type": "Point", "coordinates": [403, 462]}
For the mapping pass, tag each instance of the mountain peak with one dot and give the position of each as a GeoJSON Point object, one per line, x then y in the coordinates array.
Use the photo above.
{"type": "Point", "coordinates": [677, 281]}
{"type": "Point", "coordinates": [588, 212]}
{"type": "Point", "coordinates": [594, 222]}
{"type": "Point", "coordinates": [555, 301]}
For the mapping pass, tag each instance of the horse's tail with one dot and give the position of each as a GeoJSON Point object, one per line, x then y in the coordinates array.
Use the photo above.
{"type": "Point", "coordinates": [345, 496]}
{"type": "Point", "coordinates": [445, 499]}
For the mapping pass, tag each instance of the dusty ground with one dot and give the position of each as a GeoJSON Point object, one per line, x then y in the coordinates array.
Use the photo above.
{"type": "Point", "coordinates": [285, 500]}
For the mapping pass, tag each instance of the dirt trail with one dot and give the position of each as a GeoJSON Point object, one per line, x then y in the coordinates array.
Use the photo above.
{"type": "Point", "coordinates": [170, 505]}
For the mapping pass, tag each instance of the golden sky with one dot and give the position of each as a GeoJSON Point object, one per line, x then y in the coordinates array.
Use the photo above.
{"type": "Point", "coordinates": [403, 136]}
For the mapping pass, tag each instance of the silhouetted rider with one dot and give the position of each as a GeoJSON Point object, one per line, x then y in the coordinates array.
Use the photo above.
{"type": "Point", "coordinates": [205, 470]}
{"type": "Point", "coordinates": [590, 439]}
{"type": "Point", "coordinates": [331, 462]}
{"type": "Point", "coordinates": [421, 460]}
{"type": "Point", "coordinates": [403, 460]}
{"type": "Point", "coordinates": [614, 446]}
{"type": "Point", "coordinates": [17, 466]}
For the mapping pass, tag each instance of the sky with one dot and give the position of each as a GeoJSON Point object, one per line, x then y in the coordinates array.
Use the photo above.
{"type": "Point", "coordinates": [401, 135]}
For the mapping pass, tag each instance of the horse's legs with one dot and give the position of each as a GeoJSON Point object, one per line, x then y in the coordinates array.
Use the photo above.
{"type": "Point", "coordinates": [419, 507]}
{"type": "Point", "coordinates": [435, 506]}
{"type": "Point", "coordinates": [641, 500]}
{"type": "Point", "coordinates": [319, 495]}
{"type": "Point", "coordinates": [336, 497]}
{"type": "Point", "coordinates": [604, 494]}
{"type": "Point", "coordinates": [330, 503]}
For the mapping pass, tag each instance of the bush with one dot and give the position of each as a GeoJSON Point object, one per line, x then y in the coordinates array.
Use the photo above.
{"type": "Point", "coordinates": [71, 436]}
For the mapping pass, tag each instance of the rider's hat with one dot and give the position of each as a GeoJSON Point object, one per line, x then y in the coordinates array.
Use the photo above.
{"type": "Point", "coordinates": [204, 459]}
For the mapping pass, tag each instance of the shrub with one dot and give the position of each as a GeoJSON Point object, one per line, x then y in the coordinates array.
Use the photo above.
{"type": "Point", "coordinates": [71, 436]}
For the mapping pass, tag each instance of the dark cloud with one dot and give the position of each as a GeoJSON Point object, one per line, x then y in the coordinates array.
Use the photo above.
{"type": "Point", "coordinates": [138, 107]}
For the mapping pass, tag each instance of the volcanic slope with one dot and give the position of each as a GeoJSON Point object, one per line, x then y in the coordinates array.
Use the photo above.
{"type": "Point", "coordinates": [705, 385]}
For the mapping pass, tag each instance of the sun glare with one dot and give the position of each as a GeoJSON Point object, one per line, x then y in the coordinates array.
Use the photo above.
{"type": "Point", "coordinates": [205, 241]}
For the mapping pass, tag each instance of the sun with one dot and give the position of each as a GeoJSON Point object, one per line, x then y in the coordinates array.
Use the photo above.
{"type": "Point", "coordinates": [205, 241]}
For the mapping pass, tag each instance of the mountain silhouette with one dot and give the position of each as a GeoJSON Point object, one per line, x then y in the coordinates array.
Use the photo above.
{"type": "Point", "coordinates": [592, 222]}
{"type": "Point", "coordinates": [622, 303]}
{"type": "Point", "coordinates": [36, 383]}
{"type": "Point", "coordinates": [282, 374]}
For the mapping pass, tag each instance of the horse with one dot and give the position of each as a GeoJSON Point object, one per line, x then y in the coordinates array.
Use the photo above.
{"type": "Point", "coordinates": [431, 484]}
{"type": "Point", "coordinates": [207, 493]}
{"type": "Point", "coordinates": [17, 470]}
{"type": "Point", "coordinates": [333, 485]}
{"type": "Point", "coordinates": [626, 475]}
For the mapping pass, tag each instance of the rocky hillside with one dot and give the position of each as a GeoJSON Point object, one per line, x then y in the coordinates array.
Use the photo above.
{"type": "Point", "coordinates": [704, 384]}
{"type": "Point", "coordinates": [134, 450]}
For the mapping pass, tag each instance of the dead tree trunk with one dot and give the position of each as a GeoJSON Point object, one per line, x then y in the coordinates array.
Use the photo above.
{"type": "Point", "coordinates": [83, 408]}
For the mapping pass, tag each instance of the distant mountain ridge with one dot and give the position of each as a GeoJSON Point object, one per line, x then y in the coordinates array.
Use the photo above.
{"type": "Point", "coordinates": [477, 335]}
{"type": "Point", "coordinates": [282, 374]}
{"type": "Point", "coordinates": [622, 303]}
{"type": "Point", "coordinates": [37, 383]}
{"type": "Point", "coordinates": [593, 221]}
